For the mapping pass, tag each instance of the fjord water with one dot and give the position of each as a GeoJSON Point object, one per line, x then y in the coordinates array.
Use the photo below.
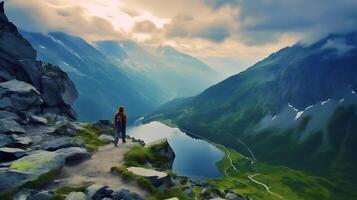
{"type": "Point", "coordinates": [195, 158]}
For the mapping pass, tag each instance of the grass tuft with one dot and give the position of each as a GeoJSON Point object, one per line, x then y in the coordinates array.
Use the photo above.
{"type": "Point", "coordinates": [90, 136]}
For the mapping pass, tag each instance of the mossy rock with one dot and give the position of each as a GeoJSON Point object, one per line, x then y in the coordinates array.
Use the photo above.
{"type": "Point", "coordinates": [158, 155]}
{"type": "Point", "coordinates": [30, 171]}
{"type": "Point", "coordinates": [90, 136]}
{"type": "Point", "coordinates": [38, 163]}
{"type": "Point", "coordinates": [164, 192]}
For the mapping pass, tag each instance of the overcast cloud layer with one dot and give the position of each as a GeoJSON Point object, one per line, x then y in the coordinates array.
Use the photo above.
{"type": "Point", "coordinates": [245, 30]}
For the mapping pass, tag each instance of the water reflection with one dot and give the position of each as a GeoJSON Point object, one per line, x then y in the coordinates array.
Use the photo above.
{"type": "Point", "coordinates": [195, 158]}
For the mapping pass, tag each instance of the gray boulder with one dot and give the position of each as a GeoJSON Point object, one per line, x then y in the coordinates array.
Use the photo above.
{"type": "Point", "coordinates": [21, 141]}
{"type": "Point", "coordinates": [65, 126]}
{"type": "Point", "coordinates": [62, 142]}
{"type": "Point", "coordinates": [30, 168]}
{"type": "Point", "coordinates": [30, 194]}
{"type": "Point", "coordinates": [106, 138]}
{"type": "Point", "coordinates": [73, 155]}
{"type": "Point", "coordinates": [94, 189]}
{"type": "Point", "coordinates": [22, 96]}
{"type": "Point", "coordinates": [57, 90]}
{"type": "Point", "coordinates": [11, 179]}
{"type": "Point", "coordinates": [42, 195]}
{"type": "Point", "coordinates": [6, 140]}
{"type": "Point", "coordinates": [9, 154]}
{"type": "Point", "coordinates": [5, 102]}
{"type": "Point", "coordinates": [9, 115]}
{"type": "Point", "coordinates": [17, 86]}
{"type": "Point", "coordinates": [8, 126]}
{"type": "Point", "coordinates": [231, 196]}
{"type": "Point", "coordinates": [157, 178]}
{"type": "Point", "coordinates": [52, 87]}
{"type": "Point", "coordinates": [38, 120]}
{"type": "Point", "coordinates": [39, 163]}
{"type": "Point", "coordinates": [125, 195]}
{"type": "Point", "coordinates": [76, 196]}
{"type": "Point", "coordinates": [24, 194]}
{"type": "Point", "coordinates": [40, 130]}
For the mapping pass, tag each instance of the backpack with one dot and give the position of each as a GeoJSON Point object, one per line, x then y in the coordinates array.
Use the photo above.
{"type": "Point", "coordinates": [119, 121]}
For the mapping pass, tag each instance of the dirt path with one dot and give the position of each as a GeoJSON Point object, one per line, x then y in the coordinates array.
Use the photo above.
{"type": "Point", "coordinates": [97, 170]}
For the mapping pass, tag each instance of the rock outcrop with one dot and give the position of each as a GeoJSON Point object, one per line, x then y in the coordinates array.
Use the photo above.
{"type": "Point", "coordinates": [157, 178]}
{"type": "Point", "coordinates": [36, 119]}
{"type": "Point", "coordinates": [28, 84]}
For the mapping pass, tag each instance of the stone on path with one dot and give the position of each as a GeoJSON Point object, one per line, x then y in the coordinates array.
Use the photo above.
{"type": "Point", "coordinates": [76, 196]}
{"type": "Point", "coordinates": [155, 177]}
{"type": "Point", "coordinates": [93, 189]}
{"type": "Point", "coordinates": [73, 154]}
{"type": "Point", "coordinates": [106, 138]}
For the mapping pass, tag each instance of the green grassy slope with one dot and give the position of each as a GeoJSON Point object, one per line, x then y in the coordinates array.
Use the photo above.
{"type": "Point", "coordinates": [283, 181]}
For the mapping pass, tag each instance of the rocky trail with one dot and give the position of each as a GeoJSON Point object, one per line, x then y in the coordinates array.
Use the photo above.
{"type": "Point", "coordinates": [97, 170]}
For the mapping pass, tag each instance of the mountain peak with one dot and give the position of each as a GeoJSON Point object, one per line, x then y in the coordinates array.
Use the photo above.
{"type": "Point", "coordinates": [167, 50]}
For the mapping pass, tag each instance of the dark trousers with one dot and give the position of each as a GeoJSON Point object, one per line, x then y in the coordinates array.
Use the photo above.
{"type": "Point", "coordinates": [120, 132]}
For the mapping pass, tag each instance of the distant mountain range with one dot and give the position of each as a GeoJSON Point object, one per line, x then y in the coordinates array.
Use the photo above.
{"type": "Point", "coordinates": [112, 73]}
{"type": "Point", "coordinates": [297, 107]}
{"type": "Point", "coordinates": [176, 73]}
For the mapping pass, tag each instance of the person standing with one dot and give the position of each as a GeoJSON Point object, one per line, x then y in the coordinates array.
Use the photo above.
{"type": "Point", "coordinates": [120, 125]}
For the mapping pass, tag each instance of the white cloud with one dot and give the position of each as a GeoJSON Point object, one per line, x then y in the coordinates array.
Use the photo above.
{"type": "Point", "coordinates": [217, 29]}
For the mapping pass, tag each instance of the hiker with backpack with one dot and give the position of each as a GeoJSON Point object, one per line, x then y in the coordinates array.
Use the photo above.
{"type": "Point", "coordinates": [120, 125]}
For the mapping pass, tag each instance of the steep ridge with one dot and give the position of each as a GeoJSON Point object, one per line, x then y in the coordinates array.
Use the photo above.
{"type": "Point", "coordinates": [129, 74]}
{"type": "Point", "coordinates": [176, 73]}
{"type": "Point", "coordinates": [263, 106]}
{"type": "Point", "coordinates": [103, 86]}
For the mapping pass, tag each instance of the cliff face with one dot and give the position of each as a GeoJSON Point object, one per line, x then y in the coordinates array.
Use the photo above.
{"type": "Point", "coordinates": [48, 88]}
{"type": "Point", "coordinates": [36, 119]}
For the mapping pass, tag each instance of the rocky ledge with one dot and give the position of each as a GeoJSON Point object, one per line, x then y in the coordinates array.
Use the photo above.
{"type": "Point", "coordinates": [38, 131]}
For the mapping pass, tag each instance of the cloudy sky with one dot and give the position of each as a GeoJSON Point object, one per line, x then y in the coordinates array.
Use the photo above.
{"type": "Point", "coordinates": [223, 33]}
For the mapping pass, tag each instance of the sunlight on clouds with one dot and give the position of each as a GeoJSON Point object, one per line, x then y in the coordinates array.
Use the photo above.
{"type": "Point", "coordinates": [248, 30]}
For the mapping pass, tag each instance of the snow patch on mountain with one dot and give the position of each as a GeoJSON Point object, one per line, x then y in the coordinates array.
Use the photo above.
{"type": "Point", "coordinates": [307, 108]}
{"type": "Point", "coordinates": [324, 102]}
{"type": "Point", "coordinates": [56, 40]}
{"type": "Point", "coordinates": [291, 106]}
{"type": "Point", "coordinates": [298, 115]}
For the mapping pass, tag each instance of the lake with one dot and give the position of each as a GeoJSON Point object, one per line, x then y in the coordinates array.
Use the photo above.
{"type": "Point", "coordinates": [195, 158]}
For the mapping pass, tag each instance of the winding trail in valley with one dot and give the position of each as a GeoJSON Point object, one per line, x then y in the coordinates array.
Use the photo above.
{"type": "Point", "coordinates": [250, 177]}
{"type": "Point", "coordinates": [230, 160]}
{"type": "Point", "coordinates": [252, 159]}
